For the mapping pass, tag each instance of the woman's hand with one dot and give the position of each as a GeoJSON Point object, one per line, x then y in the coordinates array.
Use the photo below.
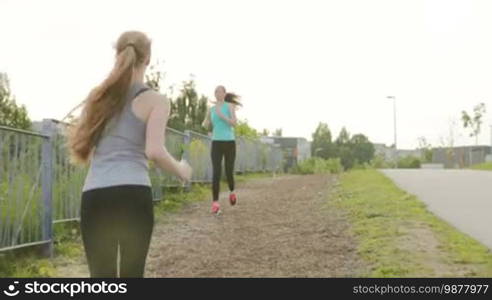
{"type": "Point", "coordinates": [218, 110]}
{"type": "Point", "coordinates": [185, 171]}
{"type": "Point", "coordinates": [206, 122]}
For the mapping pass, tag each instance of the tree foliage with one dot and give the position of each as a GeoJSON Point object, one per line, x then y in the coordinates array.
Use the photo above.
{"type": "Point", "coordinates": [11, 114]}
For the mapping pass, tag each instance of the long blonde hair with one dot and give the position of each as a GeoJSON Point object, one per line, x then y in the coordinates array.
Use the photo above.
{"type": "Point", "coordinates": [107, 99]}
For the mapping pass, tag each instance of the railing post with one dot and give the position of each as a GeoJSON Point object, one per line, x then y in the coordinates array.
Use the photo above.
{"type": "Point", "coordinates": [47, 187]}
{"type": "Point", "coordinates": [186, 154]}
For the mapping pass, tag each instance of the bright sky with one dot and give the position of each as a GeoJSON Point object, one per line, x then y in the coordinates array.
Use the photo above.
{"type": "Point", "coordinates": [295, 63]}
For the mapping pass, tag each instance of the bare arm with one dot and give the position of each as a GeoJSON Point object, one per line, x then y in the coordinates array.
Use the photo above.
{"type": "Point", "coordinates": [155, 139]}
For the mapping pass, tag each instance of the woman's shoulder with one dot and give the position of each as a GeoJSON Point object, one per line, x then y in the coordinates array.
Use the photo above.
{"type": "Point", "coordinates": [152, 99]}
{"type": "Point", "coordinates": [155, 97]}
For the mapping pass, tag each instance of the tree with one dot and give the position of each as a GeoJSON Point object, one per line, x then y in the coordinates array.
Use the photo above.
{"type": "Point", "coordinates": [474, 122]}
{"type": "Point", "coordinates": [343, 137]}
{"type": "Point", "coordinates": [350, 150]}
{"type": "Point", "coordinates": [243, 129]}
{"type": "Point", "coordinates": [188, 111]}
{"type": "Point", "coordinates": [278, 132]}
{"type": "Point", "coordinates": [447, 144]}
{"type": "Point", "coordinates": [155, 76]}
{"type": "Point", "coordinates": [345, 149]}
{"type": "Point", "coordinates": [11, 114]}
{"type": "Point", "coordinates": [322, 145]}
{"type": "Point", "coordinates": [362, 149]}
{"type": "Point", "coordinates": [265, 132]}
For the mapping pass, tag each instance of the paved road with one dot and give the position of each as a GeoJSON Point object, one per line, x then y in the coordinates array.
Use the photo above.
{"type": "Point", "coordinates": [461, 197]}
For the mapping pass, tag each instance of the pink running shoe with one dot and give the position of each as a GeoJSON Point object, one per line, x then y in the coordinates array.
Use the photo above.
{"type": "Point", "coordinates": [232, 199]}
{"type": "Point", "coordinates": [215, 207]}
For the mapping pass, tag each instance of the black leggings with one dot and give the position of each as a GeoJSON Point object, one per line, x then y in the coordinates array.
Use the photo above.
{"type": "Point", "coordinates": [118, 215]}
{"type": "Point", "coordinates": [220, 149]}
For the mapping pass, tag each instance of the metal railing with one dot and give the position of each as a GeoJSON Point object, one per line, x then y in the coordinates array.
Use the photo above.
{"type": "Point", "coordinates": [39, 186]}
{"type": "Point", "coordinates": [22, 205]}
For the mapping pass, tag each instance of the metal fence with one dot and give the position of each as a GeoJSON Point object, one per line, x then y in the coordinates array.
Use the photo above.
{"type": "Point", "coordinates": [22, 206]}
{"type": "Point", "coordinates": [39, 186]}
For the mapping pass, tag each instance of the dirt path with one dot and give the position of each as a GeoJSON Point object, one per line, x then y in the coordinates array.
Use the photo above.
{"type": "Point", "coordinates": [281, 227]}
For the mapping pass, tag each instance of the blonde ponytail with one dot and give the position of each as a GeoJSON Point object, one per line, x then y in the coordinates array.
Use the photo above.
{"type": "Point", "coordinates": [107, 99]}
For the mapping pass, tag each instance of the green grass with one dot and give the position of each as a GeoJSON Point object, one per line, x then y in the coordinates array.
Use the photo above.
{"type": "Point", "coordinates": [318, 165]}
{"type": "Point", "coordinates": [483, 167]}
{"type": "Point", "coordinates": [174, 200]}
{"type": "Point", "coordinates": [26, 265]}
{"type": "Point", "coordinates": [26, 262]}
{"type": "Point", "coordinates": [382, 216]}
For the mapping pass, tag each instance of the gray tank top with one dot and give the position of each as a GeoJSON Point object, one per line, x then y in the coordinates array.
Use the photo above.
{"type": "Point", "coordinates": [119, 157]}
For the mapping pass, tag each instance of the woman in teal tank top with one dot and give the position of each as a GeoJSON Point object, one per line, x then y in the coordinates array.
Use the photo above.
{"type": "Point", "coordinates": [223, 118]}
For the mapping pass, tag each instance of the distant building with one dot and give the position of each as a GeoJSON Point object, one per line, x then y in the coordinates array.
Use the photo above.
{"type": "Point", "coordinates": [409, 152]}
{"type": "Point", "coordinates": [383, 151]}
{"type": "Point", "coordinates": [295, 149]}
{"type": "Point", "coordinates": [38, 126]}
{"type": "Point", "coordinates": [388, 152]}
{"type": "Point", "coordinates": [461, 157]}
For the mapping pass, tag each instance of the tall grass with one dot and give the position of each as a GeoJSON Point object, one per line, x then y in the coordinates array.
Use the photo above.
{"type": "Point", "coordinates": [317, 165]}
{"type": "Point", "coordinates": [482, 167]}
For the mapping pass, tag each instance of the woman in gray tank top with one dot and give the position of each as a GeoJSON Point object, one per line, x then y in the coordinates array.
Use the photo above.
{"type": "Point", "coordinates": [121, 127]}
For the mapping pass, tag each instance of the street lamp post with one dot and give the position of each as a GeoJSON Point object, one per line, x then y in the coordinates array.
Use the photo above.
{"type": "Point", "coordinates": [394, 121]}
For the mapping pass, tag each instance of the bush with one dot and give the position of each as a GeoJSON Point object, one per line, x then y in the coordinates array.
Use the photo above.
{"type": "Point", "coordinates": [333, 165]}
{"type": "Point", "coordinates": [364, 166]}
{"type": "Point", "coordinates": [379, 162]}
{"type": "Point", "coordinates": [409, 162]}
{"type": "Point", "coordinates": [317, 165]}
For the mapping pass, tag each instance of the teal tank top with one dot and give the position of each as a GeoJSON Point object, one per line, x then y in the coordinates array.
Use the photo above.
{"type": "Point", "coordinates": [221, 130]}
